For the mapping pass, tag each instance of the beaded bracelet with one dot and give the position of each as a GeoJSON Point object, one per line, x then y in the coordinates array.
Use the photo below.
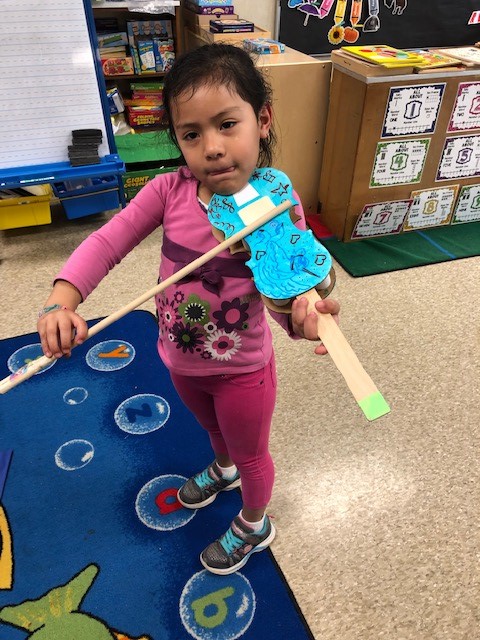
{"type": "Point", "coordinates": [52, 307]}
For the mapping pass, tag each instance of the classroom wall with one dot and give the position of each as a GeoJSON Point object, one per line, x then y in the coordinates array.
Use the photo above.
{"type": "Point", "coordinates": [261, 12]}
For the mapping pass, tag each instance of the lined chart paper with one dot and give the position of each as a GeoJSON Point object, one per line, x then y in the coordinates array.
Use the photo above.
{"type": "Point", "coordinates": [48, 84]}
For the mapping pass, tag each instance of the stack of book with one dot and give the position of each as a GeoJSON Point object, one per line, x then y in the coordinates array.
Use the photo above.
{"type": "Point", "coordinates": [113, 53]}
{"type": "Point", "coordinates": [434, 59]}
{"type": "Point", "coordinates": [109, 43]}
{"type": "Point", "coordinates": [469, 56]}
{"type": "Point", "coordinates": [384, 55]}
{"type": "Point", "coordinates": [238, 25]}
{"type": "Point", "coordinates": [151, 45]}
{"type": "Point", "coordinates": [214, 8]}
{"type": "Point", "coordinates": [145, 107]}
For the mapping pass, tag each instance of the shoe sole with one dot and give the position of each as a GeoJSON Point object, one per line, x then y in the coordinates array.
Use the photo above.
{"type": "Point", "coordinates": [199, 505]}
{"type": "Point", "coordinates": [260, 547]}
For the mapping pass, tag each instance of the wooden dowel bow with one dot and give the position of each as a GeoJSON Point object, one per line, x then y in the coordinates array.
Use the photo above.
{"type": "Point", "coordinates": [33, 367]}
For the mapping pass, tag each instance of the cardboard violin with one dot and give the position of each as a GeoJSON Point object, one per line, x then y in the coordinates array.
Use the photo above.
{"type": "Point", "coordinates": [288, 263]}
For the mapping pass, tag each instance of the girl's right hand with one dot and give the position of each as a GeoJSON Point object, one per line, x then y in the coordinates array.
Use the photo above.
{"type": "Point", "coordinates": [61, 330]}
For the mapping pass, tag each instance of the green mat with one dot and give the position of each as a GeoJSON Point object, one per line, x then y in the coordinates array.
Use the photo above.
{"type": "Point", "coordinates": [406, 250]}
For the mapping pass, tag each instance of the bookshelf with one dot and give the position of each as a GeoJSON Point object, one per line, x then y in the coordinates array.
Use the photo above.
{"type": "Point", "coordinates": [122, 14]}
{"type": "Point", "coordinates": [155, 154]}
{"type": "Point", "coordinates": [115, 17]}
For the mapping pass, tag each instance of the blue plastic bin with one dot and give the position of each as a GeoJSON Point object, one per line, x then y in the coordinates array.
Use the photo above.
{"type": "Point", "coordinates": [82, 198]}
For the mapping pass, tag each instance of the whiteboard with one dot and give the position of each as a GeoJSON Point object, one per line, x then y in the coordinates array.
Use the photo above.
{"type": "Point", "coordinates": [48, 83]}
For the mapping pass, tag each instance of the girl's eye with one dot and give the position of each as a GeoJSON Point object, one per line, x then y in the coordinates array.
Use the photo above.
{"type": "Point", "coordinates": [191, 135]}
{"type": "Point", "coordinates": [228, 125]}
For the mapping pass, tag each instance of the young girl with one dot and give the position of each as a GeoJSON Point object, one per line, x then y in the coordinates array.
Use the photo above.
{"type": "Point", "coordinates": [213, 333]}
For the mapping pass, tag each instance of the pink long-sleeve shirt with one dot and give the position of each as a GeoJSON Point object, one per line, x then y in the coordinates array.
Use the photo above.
{"type": "Point", "coordinates": [201, 333]}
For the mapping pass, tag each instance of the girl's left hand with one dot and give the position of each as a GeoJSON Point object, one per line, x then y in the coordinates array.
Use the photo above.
{"type": "Point", "coordinates": [304, 324]}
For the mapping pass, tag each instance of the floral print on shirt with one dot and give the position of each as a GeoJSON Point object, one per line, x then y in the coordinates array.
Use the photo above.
{"type": "Point", "coordinates": [193, 328]}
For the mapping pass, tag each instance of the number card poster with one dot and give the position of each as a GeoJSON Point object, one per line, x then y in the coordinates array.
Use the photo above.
{"type": "Point", "coordinates": [460, 158]}
{"type": "Point", "coordinates": [468, 205]}
{"type": "Point", "coordinates": [466, 111]}
{"type": "Point", "coordinates": [399, 162]}
{"type": "Point", "coordinates": [431, 208]}
{"type": "Point", "coordinates": [412, 110]}
{"type": "Point", "coordinates": [381, 218]}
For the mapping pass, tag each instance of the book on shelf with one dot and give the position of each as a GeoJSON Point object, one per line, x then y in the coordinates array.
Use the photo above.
{"type": "Point", "coordinates": [384, 55]}
{"type": "Point", "coordinates": [467, 55]}
{"type": "Point", "coordinates": [118, 66]}
{"type": "Point", "coordinates": [112, 52]}
{"type": "Point", "coordinates": [226, 25]}
{"type": "Point", "coordinates": [109, 39]}
{"type": "Point", "coordinates": [212, 3]}
{"type": "Point", "coordinates": [151, 45]}
{"type": "Point", "coordinates": [215, 10]}
{"type": "Point", "coordinates": [140, 116]}
{"type": "Point", "coordinates": [433, 59]}
{"type": "Point", "coordinates": [146, 93]}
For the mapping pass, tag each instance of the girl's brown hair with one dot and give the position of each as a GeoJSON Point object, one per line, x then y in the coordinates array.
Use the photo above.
{"type": "Point", "coordinates": [214, 65]}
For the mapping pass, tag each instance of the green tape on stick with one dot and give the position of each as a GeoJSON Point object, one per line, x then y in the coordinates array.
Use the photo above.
{"type": "Point", "coordinates": [374, 406]}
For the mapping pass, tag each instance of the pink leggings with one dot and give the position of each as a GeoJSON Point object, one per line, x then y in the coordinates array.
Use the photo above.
{"type": "Point", "coordinates": [237, 410]}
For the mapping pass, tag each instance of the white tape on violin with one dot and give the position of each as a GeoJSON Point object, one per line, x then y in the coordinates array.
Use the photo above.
{"type": "Point", "coordinates": [254, 210]}
{"type": "Point", "coordinates": [286, 263]}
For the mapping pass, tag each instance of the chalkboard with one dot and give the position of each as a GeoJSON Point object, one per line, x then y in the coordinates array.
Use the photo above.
{"type": "Point", "coordinates": [49, 86]}
{"type": "Point", "coordinates": [405, 24]}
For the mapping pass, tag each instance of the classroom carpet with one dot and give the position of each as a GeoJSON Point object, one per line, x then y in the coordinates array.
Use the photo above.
{"type": "Point", "coordinates": [96, 545]}
{"type": "Point", "coordinates": [405, 250]}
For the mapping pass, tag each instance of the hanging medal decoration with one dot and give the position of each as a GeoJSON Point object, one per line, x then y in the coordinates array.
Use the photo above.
{"type": "Point", "coordinates": [431, 208]}
{"type": "Point", "coordinates": [341, 31]}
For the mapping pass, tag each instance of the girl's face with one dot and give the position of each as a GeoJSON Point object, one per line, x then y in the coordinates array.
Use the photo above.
{"type": "Point", "coordinates": [219, 136]}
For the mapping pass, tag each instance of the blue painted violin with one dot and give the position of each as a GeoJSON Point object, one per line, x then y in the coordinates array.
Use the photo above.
{"type": "Point", "coordinates": [285, 261]}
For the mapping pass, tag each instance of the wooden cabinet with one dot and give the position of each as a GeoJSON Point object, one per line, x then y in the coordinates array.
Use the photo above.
{"type": "Point", "coordinates": [399, 144]}
{"type": "Point", "coordinates": [300, 87]}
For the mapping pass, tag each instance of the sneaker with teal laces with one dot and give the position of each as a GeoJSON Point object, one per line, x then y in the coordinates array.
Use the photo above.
{"type": "Point", "coordinates": [232, 551]}
{"type": "Point", "coordinates": [203, 488]}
